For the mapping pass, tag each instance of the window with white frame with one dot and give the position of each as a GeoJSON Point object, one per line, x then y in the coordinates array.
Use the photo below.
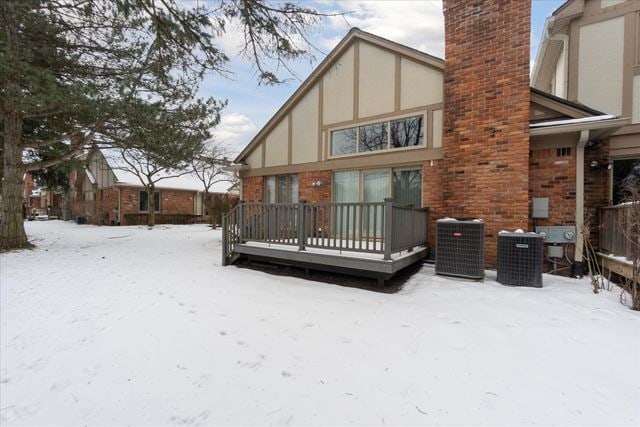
{"type": "Point", "coordinates": [388, 135]}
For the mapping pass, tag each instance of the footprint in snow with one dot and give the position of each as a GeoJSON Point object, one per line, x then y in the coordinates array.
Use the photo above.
{"type": "Point", "coordinates": [285, 374]}
{"type": "Point", "coordinates": [223, 333]}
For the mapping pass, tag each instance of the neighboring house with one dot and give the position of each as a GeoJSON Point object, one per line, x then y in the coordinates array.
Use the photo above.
{"type": "Point", "coordinates": [590, 53]}
{"type": "Point", "coordinates": [467, 138]}
{"type": "Point", "coordinates": [39, 200]}
{"type": "Point", "coordinates": [107, 195]}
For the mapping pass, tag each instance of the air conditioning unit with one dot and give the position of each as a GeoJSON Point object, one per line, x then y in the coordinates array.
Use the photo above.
{"type": "Point", "coordinates": [520, 259]}
{"type": "Point", "coordinates": [460, 248]}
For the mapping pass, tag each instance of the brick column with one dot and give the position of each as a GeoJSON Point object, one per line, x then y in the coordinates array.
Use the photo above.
{"type": "Point", "coordinates": [486, 116]}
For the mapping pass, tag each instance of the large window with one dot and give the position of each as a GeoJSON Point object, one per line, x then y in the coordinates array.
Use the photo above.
{"type": "Point", "coordinates": [144, 201]}
{"type": "Point", "coordinates": [407, 132]}
{"type": "Point", "coordinates": [387, 135]}
{"type": "Point", "coordinates": [281, 189]}
{"type": "Point", "coordinates": [407, 187]}
{"type": "Point", "coordinates": [403, 185]}
{"type": "Point", "coordinates": [626, 173]}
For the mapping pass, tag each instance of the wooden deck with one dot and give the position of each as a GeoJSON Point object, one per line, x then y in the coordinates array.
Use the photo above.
{"type": "Point", "coordinates": [374, 240]}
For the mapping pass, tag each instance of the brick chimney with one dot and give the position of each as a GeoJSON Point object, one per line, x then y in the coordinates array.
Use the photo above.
{"type": "Point", "coordinates": [486, 116]}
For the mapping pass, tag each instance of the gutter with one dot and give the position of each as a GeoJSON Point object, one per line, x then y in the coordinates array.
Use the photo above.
{"type": "Point", "coordinates": [577, 125]}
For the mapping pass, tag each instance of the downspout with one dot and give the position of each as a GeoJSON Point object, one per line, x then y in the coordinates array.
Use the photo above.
{"type": "Point", "coordinates": [578, 270]}
{"type": "Point", "coordinates": [118, 207]}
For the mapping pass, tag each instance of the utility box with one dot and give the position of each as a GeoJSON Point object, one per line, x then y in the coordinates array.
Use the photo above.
{"type": "Point", "coordinates": [558, 233]}
{"type": "Point", "coordinates": [540, 207]}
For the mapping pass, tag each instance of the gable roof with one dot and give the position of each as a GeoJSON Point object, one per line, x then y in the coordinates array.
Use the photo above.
{"type": "Point", "coordinates": [353, 35]}
{"type": "Point", "coordinates": [187, 181]}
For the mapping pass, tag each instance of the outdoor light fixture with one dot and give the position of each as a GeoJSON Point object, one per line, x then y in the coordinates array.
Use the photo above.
{"type": "Point", "coordinates": [317, 184]}
{"type": "Point", "coordinates": [594, 164]}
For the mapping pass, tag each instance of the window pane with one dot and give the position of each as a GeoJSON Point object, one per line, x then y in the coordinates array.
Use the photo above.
{"type": "Point", "coordinates": [293, 188]}
{"type": "Point", "coordinates": [626, 173]}
{"type": "Point", "coordinates": [343, 141]}
{"type": "Point", "coordinates": [407, 132]}
{"type": "Point", "coordinates": [376, 186]}
{"type": "Point", "coordinates": [144, 201]}
{"type": "Point", "coordinates": [270, 189]}
{"type": "Point", "coordinates": [345, 186]}
{"type": "Point", "coordinates": [407, 187]}
{"type": "Point", "coordinates": [373, 137]}
{"type": "Point", "coordinates": [156, 201]}
{"type": "Point", "coordinates": [282, 189]}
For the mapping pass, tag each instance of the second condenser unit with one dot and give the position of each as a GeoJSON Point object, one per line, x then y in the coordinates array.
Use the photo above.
{"type": "Point", "coordinates": [460, 248]}
{"type": "Point", "coordinates": [520, 258]}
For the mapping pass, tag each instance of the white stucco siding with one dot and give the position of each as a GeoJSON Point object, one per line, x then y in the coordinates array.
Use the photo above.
{"type": "Point", "coordinates": [419, 85]}
{"type": "Point", "coordinates": [377, 81]}
{"type": "Point", "coordinates": [600, 65]}
{"type": "Point", "coordinates": [437, 128]}
{"type": "Point", "coordinates": [338, 89]}
{"type": "Point", "coordinates": [304, 128]}
{"type": "Point", "coordinates": [560, 72]}
{"type": "Point", "coordinates": [609, 3]}
{"type": "Point", "coordinates": [635, 118]}
{"type": "Point", "coordinates": [254, 159]}
{"type": "Point", "coordinates": [277, 149]}
{"type": "Point", "coordinates": [99, 168]}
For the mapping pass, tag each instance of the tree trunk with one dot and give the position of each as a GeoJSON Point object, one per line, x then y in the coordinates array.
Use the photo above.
{"type": "Point", "coordinates": [12, 233]}
{"type": "Point", "coordinates": [152, 206]}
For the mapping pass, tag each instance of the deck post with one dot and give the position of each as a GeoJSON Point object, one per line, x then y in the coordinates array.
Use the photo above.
{"type": "Point", "coordinates": [302, 225]}
{"type": "Point", "coordinates": [240, 220]}
{"type": "Point", "coordinates": [224, 240]}
{"type": "Point", "coordinates": [413, 227]}
{"type": "Point", "coordinates": [388, 227]}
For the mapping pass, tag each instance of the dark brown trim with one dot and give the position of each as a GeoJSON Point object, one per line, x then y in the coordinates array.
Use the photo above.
{"type": "Point", "coordinates": [356, 79]}
{"type": "Point", "coordinates": [380, 160]}
{"type": "Point", "coordinates": [398, 84]}
{"type": "Point", "coordinates": [320, 117]}
{"type": "Point", "coordinates": [421, 109]}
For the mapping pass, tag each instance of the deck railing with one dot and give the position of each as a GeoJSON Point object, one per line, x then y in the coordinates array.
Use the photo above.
{"type": "Point", "coordinates": [616, 230]}
{"type": "Point", "coordinates": [384, 227]}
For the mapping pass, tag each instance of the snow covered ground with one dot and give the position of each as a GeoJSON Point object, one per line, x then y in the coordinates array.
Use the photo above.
{"type": "Point", "coordinates": [124, 325]}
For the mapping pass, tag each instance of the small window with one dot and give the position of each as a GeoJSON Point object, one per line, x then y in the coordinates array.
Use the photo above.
{"type": "Point", "coordinates": [407, 132]}
{"type": "Point", "coordinates": [343, 142]}
{"type": "Point", "coordinates": [563, 152]}
{"type": "Point", "coordinates": [144, 201]}
{"type": "Point", "coordinates": [373, 137]}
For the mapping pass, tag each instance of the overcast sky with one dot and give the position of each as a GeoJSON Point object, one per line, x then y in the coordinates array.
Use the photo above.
{"type": "Point", "coordinates": [418, 24]}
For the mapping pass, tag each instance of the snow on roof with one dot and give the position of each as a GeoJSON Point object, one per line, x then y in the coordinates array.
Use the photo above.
{"type": "Point", "coordinates": [187, 181]}
{"type": "Point", "coordinates": [573, 121]}
{"type": "Point", "coordinates": [92, 179]}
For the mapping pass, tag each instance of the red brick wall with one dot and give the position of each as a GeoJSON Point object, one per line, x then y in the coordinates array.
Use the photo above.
{"type": "Point", "coordinates": [596, 185]}
{"type": "Point", "coordinates": [306, 190]}
{"type": "Point", "coordinates": [432, 196]}
{"type": "Point", "coordinates": [177, 202]}
{"type": "Point", "coordinates": [554, 177]}
{"type": "Point", "coordinates": [253, 189]}
{"type": "Point", "coordinates": [171, 201]}
{"type": "Point", "coordinates": [486, 117]}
